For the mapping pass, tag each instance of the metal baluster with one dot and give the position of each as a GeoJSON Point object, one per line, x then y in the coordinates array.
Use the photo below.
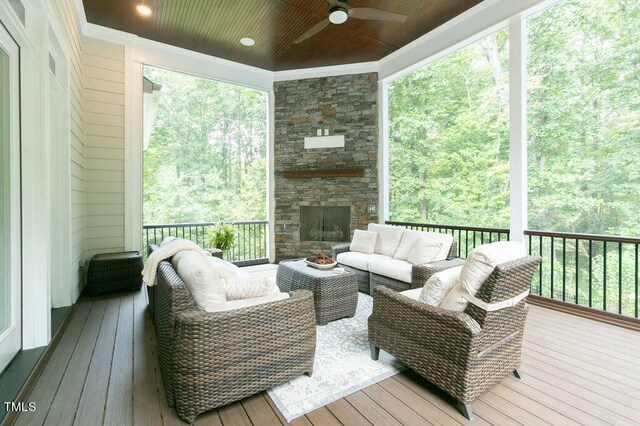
{"type": "Point", "coordinates": [146, 231]}
{"type": "Point", "coordinates": [577, 272]}
{"type": "Point", "coordinates": [490, 237]}
{"type": "Point", "coordinates": [155, 238]}
{"type": "Point", "coordinates": [553, 294]}
{"type": "Point", "coordinates": [604, 276]}
{"type": "Point", "coordinates": [619, 278]}
{"type": "Point", "coordinates": [564, 269]}
{"type": "Point", "coordinates": [636, 279]}
{"type": "Point", "coordinates": [540, 276]}
{"type": "Point", "coordinates": [481, 237]}
{"type": "Point", "coordinates": [590, 273]}
{"type": "Point", "coordinates": [466, 243]}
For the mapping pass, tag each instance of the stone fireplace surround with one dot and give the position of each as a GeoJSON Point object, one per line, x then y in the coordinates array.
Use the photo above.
{"type": "Point", "coordinates": [345, 105]}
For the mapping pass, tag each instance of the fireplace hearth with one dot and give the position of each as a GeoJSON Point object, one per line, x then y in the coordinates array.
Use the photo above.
{"type": "Point", "coordinates": [321, 223]}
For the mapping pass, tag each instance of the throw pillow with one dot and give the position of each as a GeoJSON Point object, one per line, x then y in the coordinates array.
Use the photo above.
{"type": "Point", "coordinates": [424, 250]}
{"type": "Point", "coordinates": [202, 280]}
{"type": "Point", "coordinates": [409, 238]}
{"type": "Point", "coordinates": [388, 238]}
{"type": "Point", "coordinates": [249, 287]}
{"type": "Point", "coordinates": [439, 285]}
{"type": "Point", "coordinates": [476, 269]}
{"type": "Point", "coordinates": [363, 241]}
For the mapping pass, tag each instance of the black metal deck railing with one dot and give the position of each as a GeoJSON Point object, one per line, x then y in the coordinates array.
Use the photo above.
{"type": "Point", "coordinates": [249, 247]}
{"type": "Point", "coordinates": [467, 237]}
{"type": "Point", "coordinates": [598, 271]}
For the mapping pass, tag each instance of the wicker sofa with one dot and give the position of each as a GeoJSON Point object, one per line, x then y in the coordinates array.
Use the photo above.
{"type": "Point", "coordinates": [211, 359]}
{"type": "Point", "coordinates": [463, 353]}
{"type": "Point", "coordinates": [368, 280]}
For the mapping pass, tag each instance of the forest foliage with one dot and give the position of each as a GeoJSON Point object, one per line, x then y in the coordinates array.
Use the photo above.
{"type": "Point", "coordinates": [206, 160]}
{"type": "Point", "coordinates": [449, 133]}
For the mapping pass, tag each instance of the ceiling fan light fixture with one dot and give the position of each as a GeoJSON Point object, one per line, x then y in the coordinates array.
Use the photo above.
{"type": "Point", "coordinates": [143, 9]}
{"type": "Point", "coordinates": [338, 15]}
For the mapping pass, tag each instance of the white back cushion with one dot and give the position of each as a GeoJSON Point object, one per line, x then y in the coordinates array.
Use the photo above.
{"type": "Point", "coordinates": [363, 241]}
{"type": "Point", "coordinates": [439, 285]}
{"type": "Point", "coordinates": [204, 283]}
{"type": "Point", "coordinates": [477, 268]}
{"type": "Point", "coordinates": [424, 250]}
{"type": "Point", "coordinates": [388, 238]}
{"type": "Point", "coordinates": [225, 270]}
{"type": "Point", "coordinates": [249, 287]}
{"type": "Point", "coordinates": [409, 238]}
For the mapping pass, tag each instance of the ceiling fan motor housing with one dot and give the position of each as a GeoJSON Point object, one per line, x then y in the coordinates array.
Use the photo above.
{"type": "Point", "coordinates": [338, 15]}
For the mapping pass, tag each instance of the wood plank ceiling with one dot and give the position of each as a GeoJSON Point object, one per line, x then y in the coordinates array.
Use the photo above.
{"type": "Point", "coordinates": [215, 27]}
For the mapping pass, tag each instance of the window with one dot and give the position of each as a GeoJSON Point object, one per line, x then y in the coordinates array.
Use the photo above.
{"type": "Point", "coordinates": [584, 117]}
{"type": "Point", "coordinates": [584, 148]}
{"type": "Point", "coordinates": [449, 138]}
{"type": "Point", "coordinates": [206, 154]}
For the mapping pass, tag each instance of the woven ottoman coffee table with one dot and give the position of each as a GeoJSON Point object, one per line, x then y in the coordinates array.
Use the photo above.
{"type": "Point", "coordinates": [335, 295]}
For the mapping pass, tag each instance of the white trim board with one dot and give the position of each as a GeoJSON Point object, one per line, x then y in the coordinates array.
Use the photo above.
{"type": "Point", "coordinates": [182, 60]}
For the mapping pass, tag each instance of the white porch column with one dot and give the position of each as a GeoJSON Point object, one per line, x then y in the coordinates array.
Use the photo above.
{"type": "Point", "coordinates": [271, 178]}
{"type": "Point", "coordinates": [518, 127]}
{"type": "Point", "coordinates": [133, 151]}
{"type": "Point", "coordinates": [383, 151]}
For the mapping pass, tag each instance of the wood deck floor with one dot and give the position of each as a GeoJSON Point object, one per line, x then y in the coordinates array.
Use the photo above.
{"type": "Point", "coordinates": [576, 371]}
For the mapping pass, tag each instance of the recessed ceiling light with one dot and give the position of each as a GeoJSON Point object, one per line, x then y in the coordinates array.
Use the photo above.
{"type": "Point", "coordinates": [143, 9]}
{"type": "Point", "coordinates": [246, 41]}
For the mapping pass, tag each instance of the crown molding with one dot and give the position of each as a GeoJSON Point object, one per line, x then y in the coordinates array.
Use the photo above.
{"type": "Point", "coordinates": [346, 69]}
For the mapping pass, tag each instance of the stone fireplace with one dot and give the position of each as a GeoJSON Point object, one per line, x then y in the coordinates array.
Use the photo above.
{"type": "Point", "coordinates": [324, 187]}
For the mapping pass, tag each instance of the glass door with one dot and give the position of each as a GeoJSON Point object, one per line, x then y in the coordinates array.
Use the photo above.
{"type": "Point", "coordinates": [10, 277]}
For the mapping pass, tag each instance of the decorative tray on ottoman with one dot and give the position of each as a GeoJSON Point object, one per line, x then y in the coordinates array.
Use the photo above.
{"type": "Point", "coordinates": [320, 261]}
{"type": "Point", "coordinates": [319, 266]}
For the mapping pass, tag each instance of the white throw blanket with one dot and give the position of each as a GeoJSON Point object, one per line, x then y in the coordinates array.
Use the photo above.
{"type": "Point", "coordinates": [163, 253]}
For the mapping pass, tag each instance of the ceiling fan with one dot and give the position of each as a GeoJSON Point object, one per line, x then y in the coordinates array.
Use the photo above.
{"type": "Point", "coordinates": [339, 13]}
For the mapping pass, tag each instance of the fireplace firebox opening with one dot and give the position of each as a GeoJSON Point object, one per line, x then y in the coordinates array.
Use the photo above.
{"type": "Point", "coordinates": [321, 223]}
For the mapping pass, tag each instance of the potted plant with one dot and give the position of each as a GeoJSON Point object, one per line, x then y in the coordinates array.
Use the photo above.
{"type": "Point", "coordinates": [220, 236]}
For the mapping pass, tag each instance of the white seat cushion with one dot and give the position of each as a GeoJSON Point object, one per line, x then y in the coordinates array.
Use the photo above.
{"type": "Point", "coordinates": [388, 238]}
{"type": "Point", "coordinates": [202, 280]}
{"type": "Point", "coordinates": [392, 268]}
{"type": "Point", "coordinates": [356, 259]}
{"type": "Point", "coordinates": [414, 293]}
{"type": "Point", "coordinates": [439, 285]}
{"type": "Point", "coordinates": [409, 238]}
{"type": "Point", "coordinates": [363, 241]}
{"type": "Point", "coordinates": [245, 303]}
{"type": "Point", "coordinates": [476, 269]}
{"type": "Point", "coordinates": [249, 287]}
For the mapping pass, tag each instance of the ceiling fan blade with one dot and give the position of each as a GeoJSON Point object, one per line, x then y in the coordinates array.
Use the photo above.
{"type": "Point", "coordinates": [312, 31]}
{"type": "Point", "coordinates": [375, 14]}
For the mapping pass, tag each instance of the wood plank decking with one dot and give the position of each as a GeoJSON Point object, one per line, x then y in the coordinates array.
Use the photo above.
{"type": "Point", "coordinates": [104, 371]}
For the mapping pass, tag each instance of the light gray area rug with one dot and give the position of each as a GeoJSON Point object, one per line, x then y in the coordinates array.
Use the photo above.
{"type": "Point", "coordinates": [342, 366]}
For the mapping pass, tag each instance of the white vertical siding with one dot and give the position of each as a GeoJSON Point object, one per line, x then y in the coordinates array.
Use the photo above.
{"type": "Point", "coordinates": [103, 67]}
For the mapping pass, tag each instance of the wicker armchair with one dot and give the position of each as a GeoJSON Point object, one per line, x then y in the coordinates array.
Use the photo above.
{"type": "Point", "coordinates": [463, 353]}
{"type": "Point", "coordinates": [367, 281]}
{"type": "Point", "coordinates": [211, 359]}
